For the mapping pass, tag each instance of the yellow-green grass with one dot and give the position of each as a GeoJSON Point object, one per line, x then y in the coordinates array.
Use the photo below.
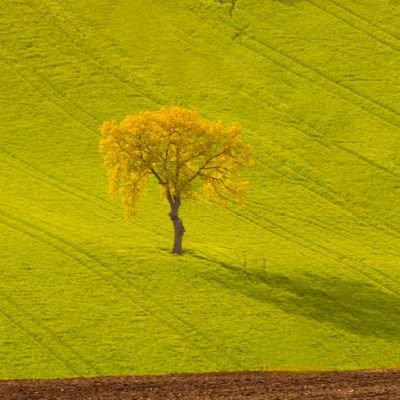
{"type": "Point", "coordinates": [306, 276]}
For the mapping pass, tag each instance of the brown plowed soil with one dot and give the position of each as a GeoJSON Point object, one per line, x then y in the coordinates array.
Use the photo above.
{"type": "Point", "coordinates": [357, 385]}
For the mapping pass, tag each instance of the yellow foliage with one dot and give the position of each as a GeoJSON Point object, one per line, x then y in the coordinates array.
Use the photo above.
{"type": "Point", "coordinates": [189, 156]}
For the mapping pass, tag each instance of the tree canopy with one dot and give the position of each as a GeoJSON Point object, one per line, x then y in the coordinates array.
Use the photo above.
{"type": "Point", "coordinates": [189, 157]}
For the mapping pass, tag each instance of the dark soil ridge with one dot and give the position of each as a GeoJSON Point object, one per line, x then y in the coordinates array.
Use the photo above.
{"type": "Point", "coordinates": [355, 385]}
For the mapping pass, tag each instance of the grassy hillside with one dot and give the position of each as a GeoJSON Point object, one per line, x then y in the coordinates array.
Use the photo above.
{"type": "Point", "coordinates": [307, 276]}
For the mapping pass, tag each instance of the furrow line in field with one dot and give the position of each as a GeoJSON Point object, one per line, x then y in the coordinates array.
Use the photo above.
{"type": "Point", "coordinates": [77, 121]}
{"type": "Point", "coordinates": [355, 317]}
{"type": "Point", "coordinates": [69, 19]}
{"type": "Point", "coordinates": [348, 19]}
{"type": "Point", "coordinates": [315, 137]}
{"type": "Point", "coordinates": [299, 127]}
{"type": "Point", "coordinates": [237, 273]}
{"type": "Point", "coordinates": [276, 230]}
{"type": "Point", "coordinates": [321, 225]}
{"type": "Point", "coordinates": [367, 21]}
{"type": "Point", "coordinates": [383, 277]}
{"type": "Point", "coordinates": [115, 279]}
{"type": "Point", "coordinates": [116, 284]}
{"type": "Point", "coordinates": [58, 187]}
{"type": "Point", "coordinates": [301, 69]}
{"type": "Point", "coordinates": [343, 233]}
{"type": "Point", "coordinates": [333, 197]}
{"type": "Point", "coordinates": [340, 90]}
{"type": "Point", "coordinates": [361, 267]}
{"type": "Point", "coordinates": [325, 77]}
{"type": "Point", "coordinates": [85, 53]}
{"type": "Point", "coordinates": [342, 259]}
{"type": "Point", "coordinates": [194, 38]}
{"type": "Point", "coordinates": [340, 147]}
{"type": "Point", "coordinates": [73, 356]}
{"type": "Point", "coordinates": [388, 278]}
{"type": "Point", "coordinates": [334, 255]}
{"type": "Point", "coordinates": [45, 86]}
{"type": "Point", "coordinates": [70, 190]}
{"type": "Point", "coordinates": [50, 100]}
{"type": "Point", "coordinates": [315, 223]}
{"type": "Point", "coordinates": [67, 13]}
{"type": "Point", "coordinates": [43, 178]}
{"type": "Point", "coordinates": [74, 191]}
{"type": "Point", "coordinates": [372, 163]}
{"type": "Point", "coordinates": [65, 31]}
{"type": "Point", "coordinates": [344, 149]}
{"type": "Point", "coordinates": [331, 193]}
{"type": "Point", "coordinates": [307, 243]}
{"type": "Point", "coordinates": [36, 339]}
{"type": "Point", "coordinates": [324, 194]}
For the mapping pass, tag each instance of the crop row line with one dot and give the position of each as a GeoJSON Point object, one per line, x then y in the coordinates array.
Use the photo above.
{"type": "Point", "coordinates": [340, 147]}
{"type": "Point", "coordinates": [75, 361]}
{"type": "Point", "coordinates": [340, 202]}
{"type": "Point", "coordinates": [368, 21]}
{"type": "Point", "coordinates": [365, 159]}
{"type": "Point", "coordinates": [54, 99]}
{"type": "Point", "coordinates": [71, 115]}
{"type": "Point", "coordinates": [237, 273]}
{"type": "Point", "coordinates": [72, 191]}
{"type": "Point", "coordinates": [330, 190]}
{"type": "Point", "coordinates": [323, 80]}
{"type": "Point", "coordinates": [55, 185]}
{"type": "Point", "coordinates": [301, 126]}
{"type": "Point", "coordinates": [327, 83]}
{"type": "Point", "coordinates": [55, 96]}
{"type": "Point", "coordinates": [351, 263]}
{"type": "Point", "coordinates": [111, 277]}
{"type": "Point", "coordinates": [330, 195]}
{"type": "Point", "coordinates": [37, 339]}
{"type": "Point", "coordinates": [353, 21]}
{"type": "Point", "coordinates": [338, 257]}
{"type": "Point", "coordinates": [315, 137]}
{"type": "Point", "coordinates": [67, 32]}
{"type": "Point", "coordinates": [358, 266]}
{"type": "Point", "coordinates": [329, 79]}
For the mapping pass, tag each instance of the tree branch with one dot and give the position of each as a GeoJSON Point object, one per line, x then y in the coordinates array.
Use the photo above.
{"type": "Point", "coordinates": [204, 166]}
{"type": "Point", "coordinates": [153, 171]}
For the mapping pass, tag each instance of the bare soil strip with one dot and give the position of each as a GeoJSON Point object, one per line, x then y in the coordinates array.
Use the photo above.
{"type": "Point", "coordinates": [355, 385]}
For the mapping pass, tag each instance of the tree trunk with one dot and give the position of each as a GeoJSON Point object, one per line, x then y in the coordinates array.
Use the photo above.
{"type": "Point", "coordinates": [179, 230]}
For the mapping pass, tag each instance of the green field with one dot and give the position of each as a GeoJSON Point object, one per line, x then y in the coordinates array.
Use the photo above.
{"type": "Point", "coordinates": [306, 276]}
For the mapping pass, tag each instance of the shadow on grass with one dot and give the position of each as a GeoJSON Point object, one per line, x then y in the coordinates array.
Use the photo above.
{"type": "Point", "coordinates": [356, 307]}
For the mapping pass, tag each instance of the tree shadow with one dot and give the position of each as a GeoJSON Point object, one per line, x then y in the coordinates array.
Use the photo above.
{"type": "Point", "coordinates": [357, 307]}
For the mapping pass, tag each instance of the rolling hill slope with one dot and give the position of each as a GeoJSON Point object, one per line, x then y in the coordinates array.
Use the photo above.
{"type": "Point", "coordinates": [306, 276]}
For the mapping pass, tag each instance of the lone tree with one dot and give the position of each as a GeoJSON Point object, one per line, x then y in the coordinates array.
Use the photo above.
{"type": "Point", "coordinates": [189, 157]}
